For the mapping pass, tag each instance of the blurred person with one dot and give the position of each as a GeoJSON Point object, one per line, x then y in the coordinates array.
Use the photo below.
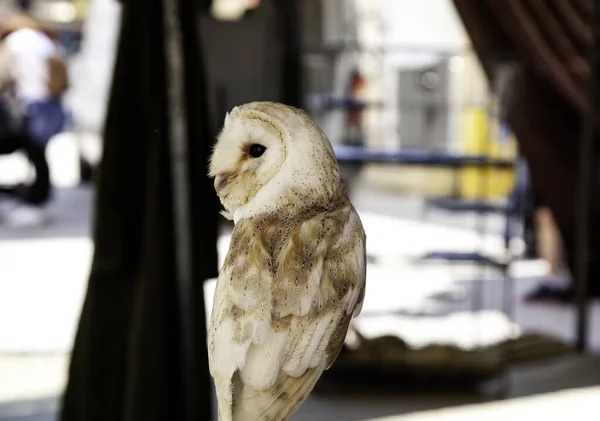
{"type": "Point", "coordinates": [354, 135]}
{"type": "Point", "coordinates": [354, 112]}
{"type": "Point", "coordinates": [31, 61]}
{"type": "Point", "coordinates": [34, 78]}
{"type": "Point", "coordinates": [545, 236]}
{"type": "Point", "coordinates": [548, 243]}
{"type": "Point", "coordinates": [556, 285]}
{"type": "Point", "coordinates": [551, 248]}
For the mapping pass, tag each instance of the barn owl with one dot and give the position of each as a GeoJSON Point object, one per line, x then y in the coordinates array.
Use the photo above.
{"type": "Point", "coordinates": [294, 275]}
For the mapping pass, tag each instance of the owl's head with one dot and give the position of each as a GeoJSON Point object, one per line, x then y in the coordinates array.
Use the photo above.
{"type": "Point", "coordinates": [265, 152]}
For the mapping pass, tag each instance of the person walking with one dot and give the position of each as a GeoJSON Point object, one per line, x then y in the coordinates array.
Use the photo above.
{"type": "Point", "coordinates": [33, 78]}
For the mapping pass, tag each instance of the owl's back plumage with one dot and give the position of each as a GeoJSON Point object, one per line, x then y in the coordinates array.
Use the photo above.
{"type": "Point", "coordinates": [291, 282]}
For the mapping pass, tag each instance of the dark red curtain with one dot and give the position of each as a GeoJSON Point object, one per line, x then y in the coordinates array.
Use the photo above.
{"type": "Point", "coordinates": [549, 41]}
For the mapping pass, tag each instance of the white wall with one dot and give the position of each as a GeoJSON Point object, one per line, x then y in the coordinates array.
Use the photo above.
{"type": "Point", "coordinates": [413, 33]}
{"type": "Point", "coordinates": [427, 23]}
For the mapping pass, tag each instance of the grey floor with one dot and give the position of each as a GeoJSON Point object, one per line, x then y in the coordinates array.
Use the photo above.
{"type": "Point", "coordinates": [43, 282]}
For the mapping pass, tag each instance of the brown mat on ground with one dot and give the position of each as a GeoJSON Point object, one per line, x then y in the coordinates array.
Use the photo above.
{"type": "Point", "coordinates": [389, 359]}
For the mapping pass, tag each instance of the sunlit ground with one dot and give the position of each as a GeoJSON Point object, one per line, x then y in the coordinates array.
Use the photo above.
{"type": "Point", "coordinates": [578, 404]}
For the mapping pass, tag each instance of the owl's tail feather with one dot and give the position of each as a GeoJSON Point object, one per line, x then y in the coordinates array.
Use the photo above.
{"type": "Point", "coordinates": [279, 405]}
{"type": "Point", "coordinates": [224, 395]}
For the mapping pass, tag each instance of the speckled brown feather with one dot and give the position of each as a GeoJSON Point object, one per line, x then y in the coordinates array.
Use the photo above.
{"type": "Point", "coordinates": [286, 245]}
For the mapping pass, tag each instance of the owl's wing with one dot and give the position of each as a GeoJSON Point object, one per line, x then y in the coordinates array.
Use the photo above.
{"type": "Point", "coordinates": [274, 333]}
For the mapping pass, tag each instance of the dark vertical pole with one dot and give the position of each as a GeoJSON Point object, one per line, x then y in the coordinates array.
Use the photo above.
{"type": "Point", "coordinates": [180, 178]}
{"type": "Point", "coordinates": [291, 25]}
{"type": "Point", "coordinates": [584, 185]}
{"type": "Point", "coordinates": [204, 203]}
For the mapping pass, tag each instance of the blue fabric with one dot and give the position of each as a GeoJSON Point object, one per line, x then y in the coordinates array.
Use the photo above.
{"type": "Point", "coordinates": [45, 119]}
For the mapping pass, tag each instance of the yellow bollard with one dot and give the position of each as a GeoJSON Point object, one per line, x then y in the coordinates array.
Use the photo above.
{"type": "Point", "coordinates": [483, 135]}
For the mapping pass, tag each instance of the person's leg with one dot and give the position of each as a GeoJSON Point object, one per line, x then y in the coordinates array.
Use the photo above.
{"type": "Point", "coordinates": [9, 145]}
{"type": "Point", "coordinates": [530, 207]}
{"type": "Point", "coordinates": [556, 286]}
{"type": "Point", "coordinates": [37, 193]}
{"type": "Point", "coordinates": [550, 246]}
{"type": "Point", "coordinates": [11, 129]}
{"type": "Point", "coordinates": [45, 119]}
{"type": "Point", "coordinates": [31, 197]}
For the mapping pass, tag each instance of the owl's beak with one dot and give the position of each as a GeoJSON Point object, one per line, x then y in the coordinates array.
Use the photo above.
{"type": "Point", "coordinates": [222, 179]}
{"type": "Point", "coordinates": [219, 180]}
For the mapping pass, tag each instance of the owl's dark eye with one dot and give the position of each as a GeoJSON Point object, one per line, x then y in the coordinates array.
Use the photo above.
{"type": "Point", "coordinates": [256, 150]}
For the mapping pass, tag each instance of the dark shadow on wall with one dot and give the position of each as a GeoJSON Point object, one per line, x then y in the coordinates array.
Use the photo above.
{"type": "Point", "coordinates": [254, 59]}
